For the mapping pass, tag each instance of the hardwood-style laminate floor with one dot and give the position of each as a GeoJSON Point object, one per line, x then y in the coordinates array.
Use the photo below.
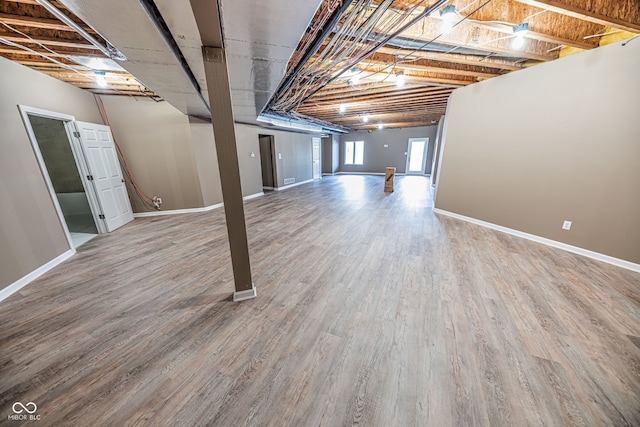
{"type": "Point", "coordinates": [371, 310]}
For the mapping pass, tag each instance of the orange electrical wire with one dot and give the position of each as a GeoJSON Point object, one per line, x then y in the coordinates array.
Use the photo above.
{"type": "Point", "coordinates": [105, 116]}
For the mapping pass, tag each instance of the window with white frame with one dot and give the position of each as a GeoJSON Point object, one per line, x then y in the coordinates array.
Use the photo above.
{"type": "Point", "coordinates": [354, 152]}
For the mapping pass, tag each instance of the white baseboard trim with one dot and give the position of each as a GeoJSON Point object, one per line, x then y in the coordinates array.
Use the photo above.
{"type": "Point", "coordinates": [245, 295]}
{"type": "Point", "coordinates": [361, 173]}
{"type": "Point", "coordinates": [253, 196]}
{"type": "Point", "coordinates": [328, 174]}
{"type": "Point", "coordinates": [191, 210]}
{"type": "Point", "coordinates": [554, 243]}
{"type": "Point", "coordinates": [21, 283]}
{"type": "Point", "coordinates": [293, 185]}
{"type": "Point", "coordinates": [369, 173]}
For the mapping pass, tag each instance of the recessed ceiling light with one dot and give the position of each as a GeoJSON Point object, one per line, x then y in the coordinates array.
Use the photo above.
{"type": "Point", "coordinates": [448, 15]}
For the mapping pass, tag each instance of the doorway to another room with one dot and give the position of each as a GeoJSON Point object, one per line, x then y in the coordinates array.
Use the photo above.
{"type": "Point", "coordinates": [317, 166]}
{"type": "Point", "coordinates": [417, 156]}
{"type": "Point", "coordinates": [53, 141]}
{"type": "Point", "coordinates": [268, 162]}
{"type": "Point", "coordinates": [81, 169]}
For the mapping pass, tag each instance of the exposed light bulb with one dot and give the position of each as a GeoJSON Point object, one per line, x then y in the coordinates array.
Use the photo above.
{"type": "Point", "coordinates": [446, 26]}
{"type": "Point", "coordinates": [449, 13]}
{"type": "Point", "coordinates": [380, 126]}
{"type": "Point", "coordinates": [365, 119]}
{"type": "Point", "coordinates": [519, 31]}
{"type": "Point", "coordinates": [401, 79]}
{"type": "Point", "coordinates": [101, 80]}
{"type": "Point", "coordinates": [355, 80]}
{"type": "Point", "coordinates": [518, 42]}
{"type": "Point", "coordinates": [342, 108]}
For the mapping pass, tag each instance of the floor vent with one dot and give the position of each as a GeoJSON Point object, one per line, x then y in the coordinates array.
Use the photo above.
{"type": "Point", "coordinates": [288, 181]}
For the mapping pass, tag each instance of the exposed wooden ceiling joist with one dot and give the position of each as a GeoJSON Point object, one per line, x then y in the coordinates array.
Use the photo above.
{"type": "Point", "coordinates": [454, 58]}
{"type": "Point", "coordinates": [48, 41]}
{"type": "Point", "coordinates": [32, 38]}
{"type": "Point", "coordinates": [59, 52]}
{"type": "Point", "coordinates": [346, 91]}
{"type": "Point", "coordinates": [30, 21]}
{"type": "Point", "coordinates": [414, 66]}
{"type": "Point", "coordinates": [532, 34]}
{"type": "Point", "coordinates": [484, 40]}
{"type": "Point", "coordinates": [622, 14]}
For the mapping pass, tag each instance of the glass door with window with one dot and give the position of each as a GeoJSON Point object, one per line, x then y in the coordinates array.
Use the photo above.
{"type": "Point", "coordinates": [417, 156]}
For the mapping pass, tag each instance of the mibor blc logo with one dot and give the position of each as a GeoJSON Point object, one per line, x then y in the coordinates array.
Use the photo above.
{"type": "Point", "coordinates": [24, 412]}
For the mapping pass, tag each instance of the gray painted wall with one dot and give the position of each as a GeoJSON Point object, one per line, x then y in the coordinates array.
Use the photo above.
{"type": "Point", "coordinates": [204, 150]}
{"type": "Point", "coordinates": [437, 149]}
{"type": "Point", "coordinates": [248, 141]}
{"type": "Point", "coordinates": [30, 232]}
{"type": "Point", "coordinates": [170, 155]}
{"type": "Point", "coordinates": [294, 154]}
{"type": "Point", "coordinates": [558, 141]}
{"type": "Point", "coordinates": [335, 153]}
{"type": "Point", "coordinates": [377, 157]}
{"type": "Point", "coordinates": [156, 141]}
{"type": "Point", "coordinates": [327, 154]}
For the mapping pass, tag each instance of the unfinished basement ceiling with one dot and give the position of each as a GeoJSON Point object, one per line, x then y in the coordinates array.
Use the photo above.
{"type": "Point", "coordinates": [32, 36]}
{"type": "Point", "coordinates": [302, 62]}
{"type": "Point", "coordinates": [353, 77]}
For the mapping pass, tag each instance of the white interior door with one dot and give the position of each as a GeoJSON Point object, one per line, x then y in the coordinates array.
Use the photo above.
{"type": "Point", "coordinates": [104, 169]}
{"type": "Point", "coordinates": [417, 156]}
{"type": "Point", "coordinates": [317, 172]}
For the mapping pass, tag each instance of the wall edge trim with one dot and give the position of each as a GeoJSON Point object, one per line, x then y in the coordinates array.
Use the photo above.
{"type": "Point", "coordinates": [372, 173]}
{"type": "Point", "coordinates": [293, 185]}
{"type": "Point", "coordinates": [24, 281]}
{"type": "Point", "coordinates": [553, 243]}
{"type": "Point", "coordinates": [191, 210]}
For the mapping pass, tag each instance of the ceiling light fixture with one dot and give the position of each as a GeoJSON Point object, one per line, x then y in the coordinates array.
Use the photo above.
{"type": "Point", "coordinates": [448, 15]}
{"type": "Point", "coordinates": [365, 119]}
{"type": "Point", "coordinates": [97, 63]}
{"type": "Point", "coordinates": [101, 78]}
{"type": "Point", "coordinates": [342, 108]}
{"type": "Point", "coordinates": [519, 31]}
{"type": "Point", "coordinates": [401, 79]}
{"type": "Point", "coordinates": [380, 126]}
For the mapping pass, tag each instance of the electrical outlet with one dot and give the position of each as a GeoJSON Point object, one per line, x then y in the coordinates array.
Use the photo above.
{"type": "Point", "coordinates": [566, 225]}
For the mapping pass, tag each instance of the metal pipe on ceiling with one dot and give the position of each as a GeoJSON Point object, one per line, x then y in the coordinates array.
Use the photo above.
{"type": "Point", "coordinates": [382, 43]}
{"type": "Point", "coordinates": [327, 29]}
{"type": "Point", "coordinates": [161, 25]}
{"type": "Point", "coordinates": [110, 51]}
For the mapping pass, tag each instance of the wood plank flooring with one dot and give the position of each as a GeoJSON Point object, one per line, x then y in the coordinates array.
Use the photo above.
{"type": "Point", "coordinates": [371, 310]}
